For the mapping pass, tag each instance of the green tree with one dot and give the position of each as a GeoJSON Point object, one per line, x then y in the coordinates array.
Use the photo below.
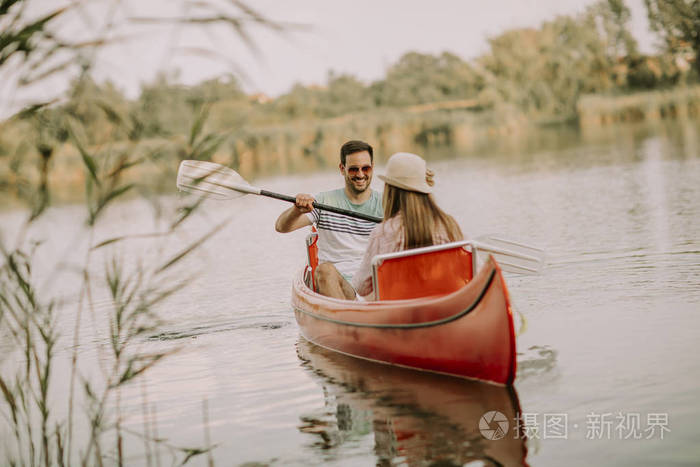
{"type": "Point", "coordinates": [423, 78]}
{"type": "Point", "coordinates": [163, 107]}
{"type": "Point", "coordinates": [209, 92]}
{"type": "Point", "coordinates": [301, 102]}
{"type": "Point", "coordinates": [544, 71]}
{"type": "Point", "coordinates": [678, 23]}
{"type": "Point", "coordinates": [100, 109]}
{"type": "Point", "coordinates": [344, 94]}
{"type": "Point", "coordinates": [612, 18]}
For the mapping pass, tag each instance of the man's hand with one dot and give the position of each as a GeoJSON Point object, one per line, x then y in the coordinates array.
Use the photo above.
{"type": "Point", "coordinates": [294, 218]}
{"type": "Point", "coordinates": [304, 203]}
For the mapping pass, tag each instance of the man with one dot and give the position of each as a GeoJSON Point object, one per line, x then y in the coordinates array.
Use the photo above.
{"type": "Point", "coordinates": [342, 240]}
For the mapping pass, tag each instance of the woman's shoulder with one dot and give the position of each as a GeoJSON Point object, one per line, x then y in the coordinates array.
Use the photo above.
{"type": "Point", "coordinates": [388, 235]}
{"type": "Point", "coordinates": [391, 225]}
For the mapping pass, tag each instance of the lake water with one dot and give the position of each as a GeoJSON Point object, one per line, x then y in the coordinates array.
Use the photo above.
{"type": "Point", "coordinates": [608, 372]}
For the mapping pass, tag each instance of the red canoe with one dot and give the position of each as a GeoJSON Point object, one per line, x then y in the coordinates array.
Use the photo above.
{"type": "Point", "coordinates": [452, 323]}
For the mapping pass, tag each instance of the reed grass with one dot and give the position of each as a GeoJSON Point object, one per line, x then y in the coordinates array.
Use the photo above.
{"type": "Point", "coordinates": [29, 315]}
{"type": "Point", "coordinates": [600, 110]}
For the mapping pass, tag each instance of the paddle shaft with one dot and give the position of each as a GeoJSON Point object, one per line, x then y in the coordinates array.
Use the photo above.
{"type": "Point", "coordinates": [323, 207]}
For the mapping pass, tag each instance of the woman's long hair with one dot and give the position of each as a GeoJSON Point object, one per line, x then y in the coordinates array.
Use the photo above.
{"type": "Point", "coordinates": [420, 216]}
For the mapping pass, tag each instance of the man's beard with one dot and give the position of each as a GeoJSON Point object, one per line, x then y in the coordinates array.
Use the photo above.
{"type": "Point", "coordinates": [349, 183]}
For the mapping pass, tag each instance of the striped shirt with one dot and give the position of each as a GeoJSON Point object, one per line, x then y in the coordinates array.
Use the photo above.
{"type": "Point", "coordinates": [342, 240]}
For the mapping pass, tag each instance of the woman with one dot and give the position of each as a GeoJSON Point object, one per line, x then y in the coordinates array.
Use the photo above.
{"type": "Point", "coordinates": [411, 217]}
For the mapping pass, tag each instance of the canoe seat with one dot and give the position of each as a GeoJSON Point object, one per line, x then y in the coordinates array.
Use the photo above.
{"type": "Point", "coordinates": [311, 259]}
{"type": "Point", "coordinates": [422, 272]}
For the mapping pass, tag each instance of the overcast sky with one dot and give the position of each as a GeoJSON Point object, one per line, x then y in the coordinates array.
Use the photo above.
{"type": "Point", "coordinates": [361, 37]}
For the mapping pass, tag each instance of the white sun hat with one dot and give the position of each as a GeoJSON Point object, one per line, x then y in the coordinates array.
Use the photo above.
{"type": "Point", "coordinates": [407, 171]}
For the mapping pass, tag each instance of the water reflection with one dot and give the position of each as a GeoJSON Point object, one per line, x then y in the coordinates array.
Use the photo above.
{"type": "Point", "coordinates": [415, 418]}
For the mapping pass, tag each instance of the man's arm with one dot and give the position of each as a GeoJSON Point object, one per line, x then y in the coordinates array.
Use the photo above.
{"type": "Point", "coordinates": [295, 217]}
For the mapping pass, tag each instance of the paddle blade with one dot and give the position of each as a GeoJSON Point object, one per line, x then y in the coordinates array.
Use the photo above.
{"type": "Point", "coordinates": [512, 256]}
{"type": "Point", "coordinates": [212, 180]}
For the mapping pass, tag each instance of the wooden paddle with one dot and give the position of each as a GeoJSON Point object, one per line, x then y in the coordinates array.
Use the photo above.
{"type": "Point", "coordinates": [220, 182]}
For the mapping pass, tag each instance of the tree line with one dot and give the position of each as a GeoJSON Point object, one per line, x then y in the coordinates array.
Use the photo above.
{"type": "Point", "coordinates": [541, 72]}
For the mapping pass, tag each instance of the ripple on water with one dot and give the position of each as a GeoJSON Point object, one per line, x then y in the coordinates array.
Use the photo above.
{"type": "Point", "coordinates": [194, 332]}
{"type": "Point", "coordinates": [536, 361]}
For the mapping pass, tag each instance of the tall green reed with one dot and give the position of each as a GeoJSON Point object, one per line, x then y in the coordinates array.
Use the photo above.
{"type": "Point", "coordinates": [29, 318]}
{"type": "Point", "coordinates": [42, 423]}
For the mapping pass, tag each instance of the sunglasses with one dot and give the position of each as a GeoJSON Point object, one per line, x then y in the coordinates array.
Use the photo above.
{"type": "Point", "coordinates": [366, 169]}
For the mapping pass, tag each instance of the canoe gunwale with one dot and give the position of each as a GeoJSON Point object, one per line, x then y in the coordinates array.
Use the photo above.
{"type": "Point", "coordinates": [426, 324]}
